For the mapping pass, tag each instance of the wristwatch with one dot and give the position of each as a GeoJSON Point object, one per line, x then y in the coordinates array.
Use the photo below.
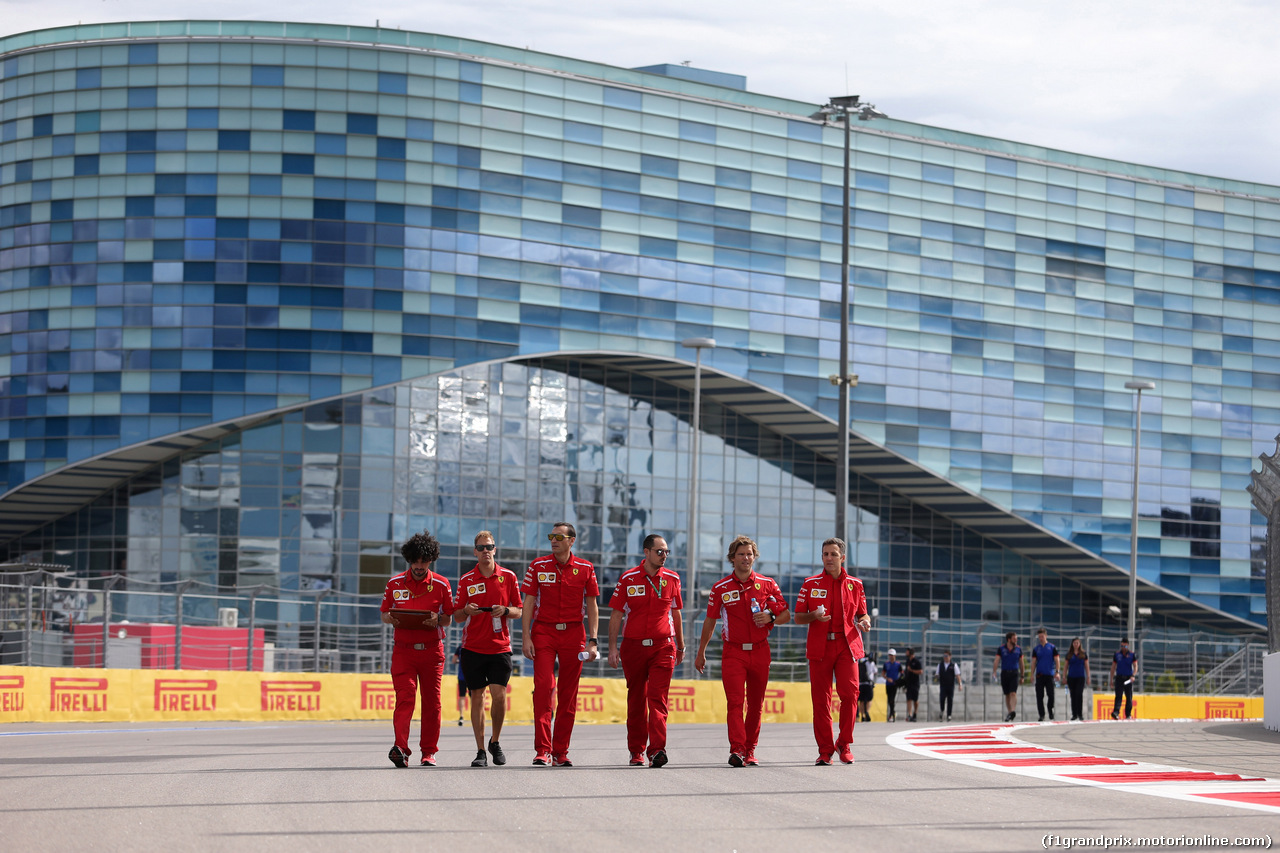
{"type": "Point", "coordinates": [773, 617]}
{"type": "Point", "coordinates": [593, 640]}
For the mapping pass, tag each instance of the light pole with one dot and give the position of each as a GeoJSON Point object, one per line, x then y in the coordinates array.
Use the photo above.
{"type": "Point", "coordinates": [843, 109]}
{"type": "Point", "coordinates": [697, 345]}
{"type": "Point", "coordinates": [1139, 386]}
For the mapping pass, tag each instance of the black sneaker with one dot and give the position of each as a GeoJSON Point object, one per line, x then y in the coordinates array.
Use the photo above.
{"type": "Point", "coordinates": [481, 760]}
{"type": "Point", "coordinates": [499, 757]}
{"type": "Point", "coordinates": [1041, 718]}
{"type": "Point", "coordinates": [658, 759]}
{"type": "Point", "coordinates": [398, 757]}
{"type": "Point", "coordinates": [735, 760]}
{"type": "Point", "coordinates": [1115, 715]}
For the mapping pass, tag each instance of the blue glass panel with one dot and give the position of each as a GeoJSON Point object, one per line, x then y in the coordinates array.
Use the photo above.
{"type": "Point", "coordinates": [142, 97]}
{"type": "Point", "coordinates": [143, 54]}
{"type": "Point", "coordinates": [201, 118]}
{"type": "Point", "coordinates": [298, 164]}
{"type": "Point", "coordinates": [42, 125]}
{"type": "Point", "coordinates": [696, 131]}
{"type": "Point", "coordinates": [233, 140]}
{"type": "Point", "coordinates": [392, 83]}
{"type": "Point", "coordinates": [268, 75]}
{"type": "Point", "coordinates": [86, 164]}
{"type": "Point", "coordinates": [88, 78]}
{"type": "Point", "coordinates": [363, 123]}
{"type": "Point", "coordinates": [299, 120]}
{"type": "Point", "coordinates": [625, 99]}
{"type": "Point", "coordinates": [331, 143]}
{"type": "Point", "coordinates": [88, 121]}
{"type": "Point", "coordinates": [390, 148]}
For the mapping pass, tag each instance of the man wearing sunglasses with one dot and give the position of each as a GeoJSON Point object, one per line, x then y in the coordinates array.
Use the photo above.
{"type": "Point", "coordinates": [418, 603]}
{"type": "Point", "coordinates": [652, 646]}
{"type": "Point", "coordinates": [745, 606]}
{"type": "Point", "coordinates": [564, 589]}
{"type": "Point", "coordinates": [488, 596]}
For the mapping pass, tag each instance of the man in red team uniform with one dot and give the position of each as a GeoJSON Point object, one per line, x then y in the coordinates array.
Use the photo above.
{"type": "Point", "coordinates": [418, 656]}
{"type": "Point", "coordinates": [834, 607]}
{"type": "Point", "coordinates": [747, 606]}
{"type": "Point", "coordinates": [488, 596]}
{"type": "Point", "coordinates": [564, 588]}
{"type": "Point", "coordinates": [652, 646]}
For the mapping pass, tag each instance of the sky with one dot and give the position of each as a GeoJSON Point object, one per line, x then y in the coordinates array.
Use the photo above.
{"type": "Point", "coordinates": [1183, 85]}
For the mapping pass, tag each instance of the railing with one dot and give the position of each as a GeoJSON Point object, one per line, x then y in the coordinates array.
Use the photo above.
{"type": "Point", "coordinates": [47, 619]}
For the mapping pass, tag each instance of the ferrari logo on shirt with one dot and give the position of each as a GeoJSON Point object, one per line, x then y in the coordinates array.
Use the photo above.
{"type": "Point", "coordinates": [636, 589]}
{"type": "Point", "coordinates": [400, 594]}
{"type": "Point", "coordinates": [817, 593]}
{"type": "Point", "coordinates": [430, 587]}
{"type": "Point", "coordinates": [730, 596]}
{"type": "Point", "coordinates": [500, 578]}
{"type": "Point", "coordinates": [575, 571]}
{"type": "Point", "coordinates": [546, 577]}
{"type": "Point", "coordinates": [757, 586]}
{"type": "Point", "coordinates": [475, 589]}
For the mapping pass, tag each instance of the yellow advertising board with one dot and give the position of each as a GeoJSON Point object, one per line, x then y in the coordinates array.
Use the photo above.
{"type": "Point", "coordinates": [44, 694]}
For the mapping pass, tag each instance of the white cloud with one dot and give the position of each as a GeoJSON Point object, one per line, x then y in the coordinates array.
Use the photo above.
{"type": "Point", "coordinates": [1173, 83]}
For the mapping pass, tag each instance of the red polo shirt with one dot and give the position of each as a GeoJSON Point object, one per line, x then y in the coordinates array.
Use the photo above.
{"type": "Point", "coordinates": [730, 603]}
{"type": "Point", "coordinates": [502, 588]}
{"type": "Point", "coordinates": [647, 603]}
{"type": "Point", "coordinates": [432, 593]}
{"type": "Point", "coordinates": [845, 602]}
{"type": "Point", "coordinates": [561, 588]}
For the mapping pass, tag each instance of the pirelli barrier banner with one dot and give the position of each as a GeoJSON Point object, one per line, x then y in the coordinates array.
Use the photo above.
{"type": "Point", "coordinates": [37, 694]}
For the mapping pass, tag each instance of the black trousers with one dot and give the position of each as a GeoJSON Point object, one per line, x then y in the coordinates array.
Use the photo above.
{"type": "Point", "coordinates": [1124, 689]}
{"type": "Point", "coordinates": [1076, 686]}
{"type": "Point", "coordinates": [946, 692]}
{"type": "Point", "coordinates": [1044, 685]}
{"type": "Point", "coordinates": [891, 694]}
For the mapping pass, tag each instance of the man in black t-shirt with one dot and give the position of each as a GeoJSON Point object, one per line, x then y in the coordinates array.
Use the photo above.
{"type": "Point", "coordinates": [913, 671]}
{"type": "Point", "coordinates": [948, 680]}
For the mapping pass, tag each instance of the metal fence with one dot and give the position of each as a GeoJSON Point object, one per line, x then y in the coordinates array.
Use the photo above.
{"type": "Point", "coordinates": [53, 619]}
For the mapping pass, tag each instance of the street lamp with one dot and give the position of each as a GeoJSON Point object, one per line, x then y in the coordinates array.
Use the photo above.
{"type": "Point", "coordinates": [697, 345]}
{"type": "Point", "coordinates": [843, 109]}
{"type": "Point", "coordinates": [1139, 386]}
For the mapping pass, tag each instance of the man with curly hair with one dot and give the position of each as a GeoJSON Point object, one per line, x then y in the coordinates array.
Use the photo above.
{"type": "Point", "coordinates": [419, 603]}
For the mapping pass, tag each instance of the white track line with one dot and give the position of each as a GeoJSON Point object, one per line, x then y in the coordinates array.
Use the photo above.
{"type": "Point", "coordinates": [993, 746]}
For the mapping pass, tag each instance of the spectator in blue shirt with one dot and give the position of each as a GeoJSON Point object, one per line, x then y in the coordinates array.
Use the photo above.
{"type": "Point", "coordinates": [1009, 669]}
{"type": "Point", "coordinates": [1045, 654]}
{"type": "Point", "coordinates": [1077, 677]}
{"type": "Point", "coordinates": [892, 674]}
{"type": "Point", "coordinates": [1124, 668]}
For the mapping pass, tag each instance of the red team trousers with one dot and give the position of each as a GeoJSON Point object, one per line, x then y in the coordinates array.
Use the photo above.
{"type": "Point", "coordinates": [744, 673]}
{"type": "Point", "coordinates": [549, 644]}
{"type": "Point", "coordinates": [838, 662]}
{"type": "Point", "coordinates": [648, 670]}
{"type": "Point", "coordinates": [413, 669]}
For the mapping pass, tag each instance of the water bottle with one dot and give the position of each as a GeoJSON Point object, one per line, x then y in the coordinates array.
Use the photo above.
{"type": "Point", "coordinates": [755, 607]}
{"type": "Point", "coordinates": [584, 655]}
{"type": "Point", "coordinates": [822, 610]}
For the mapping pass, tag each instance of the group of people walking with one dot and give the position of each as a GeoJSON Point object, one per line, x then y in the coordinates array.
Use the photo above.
{"type": "Point", "coordinates": [559, 592]}
{"type": "Point", "coordinates": [557, 603]}
{"type": "Point", "coordinates": [1051, 668]}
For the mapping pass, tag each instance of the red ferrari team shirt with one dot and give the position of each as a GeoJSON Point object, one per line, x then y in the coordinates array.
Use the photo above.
{"type": "Point", "coordinates": [561, 588]}
{"type": "Point", "coordinates": [730, 603]}
{"type": "Point", "coordinates": [647, 602]}
{"type": "Point", "coordinates": [844, 600]}
{"type": "Point", "coordinates": [502, 588]}
{"type": "Point", "coordinates": [431, 593]}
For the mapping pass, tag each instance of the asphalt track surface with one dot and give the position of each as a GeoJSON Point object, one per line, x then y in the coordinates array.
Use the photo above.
{"type": "Point", "coordinates": [329, 787]}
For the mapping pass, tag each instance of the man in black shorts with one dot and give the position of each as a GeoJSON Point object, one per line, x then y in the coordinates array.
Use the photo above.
{"type": "Point", "coordinates": [488, 597]}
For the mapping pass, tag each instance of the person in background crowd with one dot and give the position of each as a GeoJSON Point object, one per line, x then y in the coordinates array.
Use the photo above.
{"type": "Point", "coordinates": [1124, 669]}
{"type": "Point", "coordinates": [914, 670]}
{"type": "Point", "coordinates": [948, 681]}
{"type": "Point", "coordinates": [892, 674]}
{"type": "Point", "coordinates": [1077, 677]}
{"type": "Point", "coordinates": [1048, 671]}
{"type": "Point", "coordinates": [456, 660]}
{"type": "Point", "coordinates": [417, 659]}
{"type": "Point", "coordinates": [1009, 669]}
{"type": "Point", "coordinates": [646, 613]}
{"type": "Point", "coordinates": [866, 686]}
{"type": "Point", "coordinates": [488, 598]}
{"type": "Point", "coordinates": [746, 606]}
{"type": "Point", "coordinates": [564, 590]}
{"type": "Point", "coordinates": [834, 607]}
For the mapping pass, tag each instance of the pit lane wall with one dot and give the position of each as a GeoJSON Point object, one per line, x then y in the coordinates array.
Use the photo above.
{"type": "Point", "coordinates": [46, 694]}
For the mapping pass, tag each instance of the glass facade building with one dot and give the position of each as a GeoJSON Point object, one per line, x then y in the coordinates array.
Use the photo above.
{"type": "Point", "coordinates": [275, 296]}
